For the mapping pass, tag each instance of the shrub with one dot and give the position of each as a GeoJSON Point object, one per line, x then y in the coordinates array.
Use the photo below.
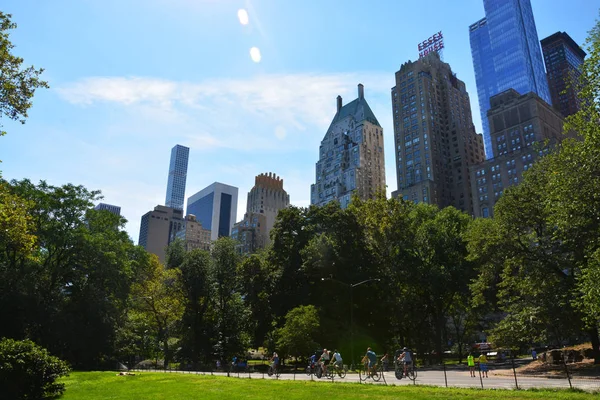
{"type": "Point", "coordinates": [28, 371]}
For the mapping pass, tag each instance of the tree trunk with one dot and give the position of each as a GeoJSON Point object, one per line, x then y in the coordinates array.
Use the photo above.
{"type": "Point", "coordinates": [166, 349]}
{"type": "Point", "coordinates": [595, 344]}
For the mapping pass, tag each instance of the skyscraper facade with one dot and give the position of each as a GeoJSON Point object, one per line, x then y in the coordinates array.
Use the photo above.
{"type": "Point", "coordinates": [193, 235]}
{"type": "Point", "coordinates": [265, 200]}
{"type": "Point", "coordinates": [215, 207]}
{"type": "Point", "coordinates": [563, 58]}
{"type": "Point", "coordinates": [158, 228]}
{"type": "Point", "coordinates": [177, 177]}
{"type": "Point", "coordinates": [434, 136]}
{"type": "Point", "coordinates": [523, 128]}
{"type": "Point", "coordinates": [108, 207]}
{"type": "Point", "coordinates": [351, 159]}
{"type": "Point", "coordinates": [506, 55]}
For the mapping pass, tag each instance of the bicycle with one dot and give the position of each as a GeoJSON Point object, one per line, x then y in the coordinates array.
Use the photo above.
{"type": "Point", "coordinates": [376, 372]}
{"type": "Point", "coordinates": [336, 369]}
{"type": "Point", "coordinates": [411, 371]}
{"type": "Point", "coordinates": [274, 370]}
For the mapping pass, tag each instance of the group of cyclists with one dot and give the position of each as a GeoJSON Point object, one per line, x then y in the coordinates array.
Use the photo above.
{"type": "Point", "coordinates": [331, 362]}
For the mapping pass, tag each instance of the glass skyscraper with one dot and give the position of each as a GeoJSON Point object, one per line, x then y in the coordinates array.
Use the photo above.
{"type": "Point", "coordinates": [177, 177]}
{"type": "Point", "coordinates": [506, 55]}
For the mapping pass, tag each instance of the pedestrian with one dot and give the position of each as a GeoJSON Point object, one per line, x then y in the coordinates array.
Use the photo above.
{"type": "Point", "coordinates": [471, 364]}
{"type": "Point", "coordinates": [483, 365]}
{"type": "Point", "coordinates": [533, 354]}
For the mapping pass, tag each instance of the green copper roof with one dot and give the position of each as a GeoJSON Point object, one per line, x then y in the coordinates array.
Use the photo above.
{"type": "Point", "coordinates": [359, 109]}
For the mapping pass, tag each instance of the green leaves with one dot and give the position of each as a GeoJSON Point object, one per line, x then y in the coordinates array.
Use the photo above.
{"type": "Point", "coordinates": [17, 84]}
{"type": "Point", "coordinates": [298, 337]}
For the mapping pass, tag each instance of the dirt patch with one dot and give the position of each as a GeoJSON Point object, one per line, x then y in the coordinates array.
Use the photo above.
{"type": "Point", "coordinates": [583, 369]}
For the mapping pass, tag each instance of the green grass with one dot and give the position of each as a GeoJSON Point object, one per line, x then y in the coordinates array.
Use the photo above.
{"type": "Point", "coordinates": [154, 386]}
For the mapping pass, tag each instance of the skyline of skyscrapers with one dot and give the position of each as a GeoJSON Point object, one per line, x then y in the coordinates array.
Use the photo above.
{"type": "Point", "coordinates": [351, 155]}
{"type": "Point", "coordinates": [215, 207]}
{"type": "Point", "coordinates": [563, 58]}
{"type": "Point", "coordinates": [177, 177]}
{"type": "Point", "coordinates": [434, 134]}
{"type": "Point", "coordinates": [506, 55]}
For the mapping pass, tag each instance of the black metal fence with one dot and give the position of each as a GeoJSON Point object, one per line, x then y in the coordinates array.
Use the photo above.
{"type": "Point", "coordinates": [508, 374]}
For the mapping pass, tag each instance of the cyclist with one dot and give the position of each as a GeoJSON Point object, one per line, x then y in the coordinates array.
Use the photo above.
{"type": "Point", "coordinates": [275, 360]}
{"type": "Point", "coordinates": [372, 357]}
{"type": "Point", "coordinates": [406, 358]}
{"type": "Point", "coordinates": [324, 360]}
{"type": "Point", "coordinates": [337, 360]}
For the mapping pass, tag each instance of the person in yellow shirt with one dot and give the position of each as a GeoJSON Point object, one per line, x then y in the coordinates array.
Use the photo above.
{"type": "Point", "coordinates": [471, 364]}
{"type": "Point", "coordinates": [483, 365]}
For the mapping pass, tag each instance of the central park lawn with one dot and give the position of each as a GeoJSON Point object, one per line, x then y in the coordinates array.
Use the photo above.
{"type": "Point", "coordinates": [151, 386]}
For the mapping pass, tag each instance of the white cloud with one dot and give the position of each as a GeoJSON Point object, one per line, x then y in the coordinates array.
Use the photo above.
{"type": "Point", "coordinates": [297, 100]}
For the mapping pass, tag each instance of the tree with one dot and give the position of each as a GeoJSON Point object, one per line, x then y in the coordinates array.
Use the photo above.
{"type": "Point", "coordinates": [16, 225]}
{"type": "Point", "coordinates": [196, 320]}
{"type": "Point", "coordinates": [18, 84]}
{"type": "Point", "coordinates": [158, 299]}
{"type": "Point", "coordinates": [68, 291]}
{"type": "Point", "coordinates": [298, 337]}
{"type": "Point", "coordinates": [574, 185]}
{"type": "Point", "coordinates": [258, 282]}
{"type": "Point", "coordinates": [229, 313]}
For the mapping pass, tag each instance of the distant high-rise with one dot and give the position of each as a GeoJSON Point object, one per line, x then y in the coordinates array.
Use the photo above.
{"type": "Point", "coordinates": [506, 55]}
{"type": "Point", "coordinates": [351, 157]}
{"type": "Point", "coordinates": [158, 228]}
{"type": "Point", "coordinates": [193, 235]}
{"type": "Point", "coordinates": [265, 200]}
{"type": "Point", "coordinates": [177, 177]}
{"type": "Point", "coordinates": [108, 207]}
{"type": "Point", "coordinates": [435, 140]}
{"type": "Point", "coordinates": [563, 58]}
{"type": "Point", "coordinates": [215, 207]}
{"type": "Point", "coordinates": [523, 128]}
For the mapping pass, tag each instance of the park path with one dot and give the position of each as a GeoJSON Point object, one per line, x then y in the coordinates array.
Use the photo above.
{"type": "Point", "coordinates": [426, 377]}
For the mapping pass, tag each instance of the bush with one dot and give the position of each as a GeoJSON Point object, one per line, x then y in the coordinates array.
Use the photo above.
{"type": "Point", "coordinates": [28, 371]}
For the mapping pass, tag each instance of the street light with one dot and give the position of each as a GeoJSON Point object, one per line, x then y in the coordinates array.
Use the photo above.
{"type": "Point", "coordinates": [351, 286]}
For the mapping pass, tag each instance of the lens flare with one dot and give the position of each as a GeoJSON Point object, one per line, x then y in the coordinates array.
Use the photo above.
{"type": "Point", "coordinates": [243, 16]}
{"type": "Point", "coordinates": [255, 54]}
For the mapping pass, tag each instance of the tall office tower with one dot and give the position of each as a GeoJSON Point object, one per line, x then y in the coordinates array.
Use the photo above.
{"type": "Point", "coordinates": [563, 58]}
{"type": "Point", "coordinates": [216, 208]}
{"type": "Point", "coordinates": [434, 134]}
{"type": "Point", "coordinates": [350, 156]}
{"type": "Point", "coordinates": [506, 55]}
{"type": "Point", "coordinates": [159, 228]}
{"type": "Point", "coordinates": [177, 177]}
{"type": "Point", "coordinates": [523, 128]}
{"type": "Point", "coordinates": [193, 235]}
{"type": "Point", "coordinates": [108, 207]}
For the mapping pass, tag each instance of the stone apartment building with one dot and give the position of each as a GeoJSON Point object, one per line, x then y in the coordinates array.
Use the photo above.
{"type": "Point", "coordinates": [434, 136]}
{"type": "Point", "coordinates": [523, 128]}
{"type": "Point", "coordinates": [351, 155]}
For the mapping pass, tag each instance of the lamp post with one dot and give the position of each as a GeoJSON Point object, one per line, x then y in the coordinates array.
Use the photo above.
{"type": "Point", "coordinates": [351, 286]}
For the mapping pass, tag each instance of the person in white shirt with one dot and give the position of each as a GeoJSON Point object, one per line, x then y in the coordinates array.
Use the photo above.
{"type": "Point", "coordinates": [406, 357]}
{"type": "Point", "coordinates": [324, 360]}
{"type": "Point", "coordinates": [337, 359]}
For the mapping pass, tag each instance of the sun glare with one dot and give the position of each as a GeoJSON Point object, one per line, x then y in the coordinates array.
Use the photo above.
{"type": "Point", "coordinates": [243, 16]}
{"type": "Point", "coordinates": [255, 54]}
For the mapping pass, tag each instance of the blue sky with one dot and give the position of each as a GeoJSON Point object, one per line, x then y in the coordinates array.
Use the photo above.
{"type": "Point", "coordinates": [132, 78]}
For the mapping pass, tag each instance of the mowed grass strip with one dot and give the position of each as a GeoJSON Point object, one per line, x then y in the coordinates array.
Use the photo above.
{"type": "Point", "coordinates": [154, 386]}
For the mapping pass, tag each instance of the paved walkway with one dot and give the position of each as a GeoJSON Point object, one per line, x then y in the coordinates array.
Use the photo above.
{"type": "Point", "coordinates": [432, 377]}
